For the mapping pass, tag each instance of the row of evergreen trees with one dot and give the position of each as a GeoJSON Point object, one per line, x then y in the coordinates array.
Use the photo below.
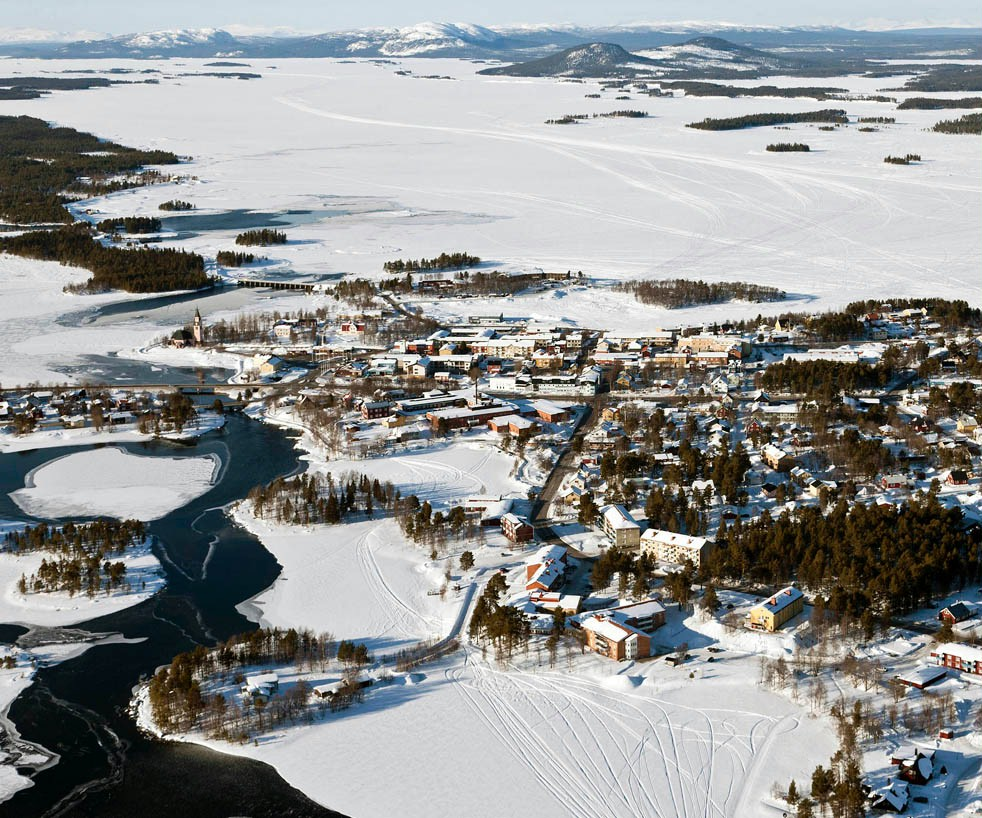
{"type": "Point", "coordinates": [444, 261]}
{"type": "Point", "coordinates": [684, 292]}
{"type": "Point", "coordinates": [262, 237]}
{"type": "Point", "coordinates": [130, 224]}
{"type": "Point", "coordinates": [878, 558]}
{"type": "Point", "coordinates": [825, 379]}
{"type": "Point", "coordinates": [141, 270]}
{"type": "Point", "coordinates": [175, 204]}
{"type": "Point", "coordinates": [230, 258]}
{"type": "Point", "coordinates": [41, 166]}
{"type": "Point", "coordinates": [696, 88]}
{"type": "Point", "coordinates": [938, 104]}
{"type": "Point", "coordinates": [310, 499]}
{"type": "Point", "coordinates": [756, 120]}
{"type": "Point", "coordinates": [970, 123]}
{"type": "Point", "coordinates": [786, 147]}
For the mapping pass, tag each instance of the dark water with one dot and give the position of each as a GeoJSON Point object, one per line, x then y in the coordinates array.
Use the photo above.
{"type": "Point", "coordinates": [112, 369]}
{"type": "Point", "coordinates": [194, 223]}
{"type": "Point", "coordinates": [78, 708]}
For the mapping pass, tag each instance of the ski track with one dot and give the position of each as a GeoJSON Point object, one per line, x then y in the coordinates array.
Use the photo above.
{"type": "Point", "coordinates": [627, 754]}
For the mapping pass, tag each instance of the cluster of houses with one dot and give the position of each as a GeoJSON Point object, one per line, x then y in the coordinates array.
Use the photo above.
{"type": "Point", "coordinates": [446, 411]}
{"type": "Point", "coordinates": [74, 408]}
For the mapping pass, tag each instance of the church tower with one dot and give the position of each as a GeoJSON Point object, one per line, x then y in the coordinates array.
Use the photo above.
{"type": "Point", "coordinates": [198, 330]}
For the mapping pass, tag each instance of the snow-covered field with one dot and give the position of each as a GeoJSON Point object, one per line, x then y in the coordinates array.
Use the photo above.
{"type": "Point", "coordinates": [406, 167]}
{"type": "Point", "coordinates": [115, 483]}
{"type": "Point", "coordinates": [363, 580]}
{"type": "Point", "coordinates": [467, 737]}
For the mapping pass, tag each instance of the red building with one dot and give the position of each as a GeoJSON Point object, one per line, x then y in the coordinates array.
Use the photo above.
{"type": "Point", "coordinates": [515, 528]}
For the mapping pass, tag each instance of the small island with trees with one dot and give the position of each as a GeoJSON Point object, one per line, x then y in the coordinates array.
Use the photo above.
{"type": "Point", "coordinates": [785, 147]}
{"type": "Point", "coordinates": [444, 261]}
{"type": "Point", "coordinates": [260, 238]}
{"type": "Point", "coordinates": [175, 204]}
{"type": "Point", "coordinates": [734, 123]}
{"type": "Point", "coordinates": [682, 292]}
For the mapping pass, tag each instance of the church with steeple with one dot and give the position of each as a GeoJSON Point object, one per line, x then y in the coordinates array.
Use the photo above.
{"type": "Point", "coordinates": [194, 337]}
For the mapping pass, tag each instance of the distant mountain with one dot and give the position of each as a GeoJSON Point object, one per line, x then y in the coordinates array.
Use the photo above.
{"type": "Point", "coordinates": [702, 56]}
{"type": "Point", "coordinates": [716, 55]}
{"type": "Point", "coordinates": [589, 60]}
{"type": "Point", "coordinates": [513, 44]}
{"type": "Point", "coordinates": [205, 42]}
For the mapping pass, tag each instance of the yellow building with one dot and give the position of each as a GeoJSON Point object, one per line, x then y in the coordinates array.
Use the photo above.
{"type": "Point", "coordinates": [776, 610]}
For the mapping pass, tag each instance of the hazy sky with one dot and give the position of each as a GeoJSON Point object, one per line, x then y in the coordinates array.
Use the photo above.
{"type": "Point", "coordinates": [122, 16]}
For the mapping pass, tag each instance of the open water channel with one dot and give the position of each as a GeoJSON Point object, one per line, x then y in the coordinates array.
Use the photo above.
{"type": "Point", "coordinates": [78, 709]}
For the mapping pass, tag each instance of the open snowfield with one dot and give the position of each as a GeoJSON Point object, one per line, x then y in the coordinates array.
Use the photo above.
{"type": "Point", "coordinates": [402, 166]}
{"type": "Point", "coordinates": [443, 473]}
{"type": "Point", "coordinates": [607, 741]}
{"type": "Point", "coordinates": [115, 483]}
{"type": "Point", "coordinates": [363, 580]}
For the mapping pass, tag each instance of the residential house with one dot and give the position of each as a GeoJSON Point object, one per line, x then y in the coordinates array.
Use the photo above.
{"type": "Point", "coordinates": [955, 613]}
{"type": "Point", "coordinates": [624, 632]}
{"type": "Point", "coordinates": [515, 528]}
{"type": "Point", "coordinates": [776, 458]}
{"type": "Point", "coordinates": [620, 527]}
{"type": "Point", "coordinates": [966, 658]}
{"type": "Point", "coordinates": [778, 609]}
{"type": "Point", "coordinates": [966, 424]}
{"type": "Point", "coordinates": [370, 410]}
{"type": "Point", "coordinates": [669, 546]}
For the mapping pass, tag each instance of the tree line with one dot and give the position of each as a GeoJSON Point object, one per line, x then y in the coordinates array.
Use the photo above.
{"type": "Point", "coordinates": [825, 379]}
{"type": "Point", "coordinates": [949, 313]}
{"type": "Point", "coordinates": [42, 166]}
{"type": "Point", "coordinates": [683, 292]}
{"type": "Point", "coordinates": [444, 261]}
{"type": "Point", "coordinates": [310, 499]}
{"type": "Point", "coordinates": [876, 560]}
{"type": "Point", "coordinates": [970, 123]}
{"type": "Point", "coordinates": [938, 104]}
{"type": "Point", "coordinates": [906, 159]}
{"type": "Point", "coordinates": [757, 120]}
{"type": "Point", "coordinates": [130, 224]}
{"type": "Point", "coordinates": [230, 258]}
{"type": "Point", "coordinates": [694, 88]}
{"type": "Point", "coordinates": [175, 204]}
{"type": "Point", "coordinates": [262, 237]}
{"type": "Point", "coordinates": [80, 554]}
{"type": "Point", "coordinates": [785, 147]}
{"type": "Point", "coordinates": [137, 270]}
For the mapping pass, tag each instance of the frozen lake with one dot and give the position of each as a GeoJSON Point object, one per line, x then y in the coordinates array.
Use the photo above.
{"type": "Point", "coordinates": [366, 165]}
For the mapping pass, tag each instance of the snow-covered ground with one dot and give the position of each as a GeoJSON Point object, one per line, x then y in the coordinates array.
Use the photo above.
{"type": "Point", "coordinates": [363, 580]}
{"type": "Point", "coordinates": [144, 578]}
{"type": "Point", "coordinates": [396, 167]}
{"type": "Point", "coordinates": [604, 740]}
{"type": "Point", "coordinates": [113, 482]}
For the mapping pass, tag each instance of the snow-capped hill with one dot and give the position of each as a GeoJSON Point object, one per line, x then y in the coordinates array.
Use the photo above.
{"type": "Point", "coordinates": [714, 54]}
{"type": "Point", "coordinates": [176, 39]}
{"type": "Point", "coordinates": [198, 42]}
{"type": "Point", "coordinates": [424, 39]}
{"type": "Point", "coordinates": [588, 60]}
